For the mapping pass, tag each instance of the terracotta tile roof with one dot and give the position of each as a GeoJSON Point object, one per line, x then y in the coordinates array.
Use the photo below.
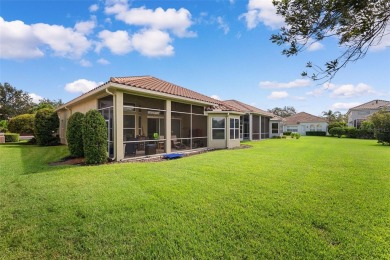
{"type": "Point", "coordinates": [158, 85]}
{"type": "Point", "coordinates": [303, 117]}
{"type": "Point", "coordinates": [246, 108]}
{"type": "Point", "coordinates": [374, 104]}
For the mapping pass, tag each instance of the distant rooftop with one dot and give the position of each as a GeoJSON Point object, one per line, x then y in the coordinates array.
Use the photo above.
{"type": "Point", "coordinates": [303, 117]}
{"type": "Point", "coordinates": [374, 104]}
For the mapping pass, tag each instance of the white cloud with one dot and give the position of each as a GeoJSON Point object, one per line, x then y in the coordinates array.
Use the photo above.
{"type": "Point", "coordinates": [231, 1]}
{"type": "Point", "coordinates": [153, 43]}
{"type": "Point", "coordinates": [315, 46]}
{"type": "Point", "coordinates": [35, 98]}
{"type": "Point", "coordinates": [18, 41]}
{"type": "Point", "coordinates": [223, 25]}
{"type": "Point", "coordinates": [299, 98]}
{"type": "Point", "coordinates": [85, 63]}
{"type": "Point", "coordinates": [262, 11]}
{"type": "Point", "coordinates": [176, 21]}
{"type": "Point", "coordinates": [216, 97]}
{"type": "Point", "coordinates": [103, 61]}
{"type": "Point", "coordinates": [85, 27]}
{"type": "Point", "coordinates": [118, 42]}
{"type": "Point", "coordinates": [81, 85]}
{"type": "Point", "coordinates": [349, 90]}
{"type": "Point", "coordinates": [320, 91]}
{"type": "Point", "coordinates": [22, 41]}
{"type": "Point", "coordinates": [278, 95]}
{"type": "Point", "coordinates": [292, 84]}
{"type": "Point", "coordinates": [63, 41]}
{"type": "Point", "coordinates": [344, 106]}
{"type": "Point", "coordinates": [93, 8]}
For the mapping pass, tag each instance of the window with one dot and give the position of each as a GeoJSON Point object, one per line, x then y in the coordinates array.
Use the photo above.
{"type": "Point", "coordinates": [292, 129]}
{"type": "Point", "coordinates": [319, 127]}
{"type": "Point", "coordinates": [218, 128]}
{"type": "Point", "coordinates": [234, 128]}
{"type": "Point", "coordinates": [275, 128]}
{"type": "Point", "coordinates": [312, 127]}
{"type": "Point", "coordinates": [128, 127]}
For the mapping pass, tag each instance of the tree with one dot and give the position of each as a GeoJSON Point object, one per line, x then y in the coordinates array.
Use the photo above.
{"type": "Point", "coordinates": [283, 112]}
{"type": "Point", "coordinates": [95, 138]}
{"type": "Point", "coordinates": [358, 25]}
{"type": "Point", "coordinates": [13, 102]}
{"type": "Point", "coordinates": [45, 127]}
{"type": "Point", "coordinates": [74, 136]}
{"type": "Point", "coordinates": [45, 103]}
{"type": "Point", "coordinates": [381, 122]}
{"type": "Point", "coordinates": [331, 116]}
{"type": "Point", "coordinates": [22, 124]}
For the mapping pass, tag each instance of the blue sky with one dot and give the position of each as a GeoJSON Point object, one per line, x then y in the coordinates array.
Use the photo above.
{"type": "Point", "coordinates": [60, 49]}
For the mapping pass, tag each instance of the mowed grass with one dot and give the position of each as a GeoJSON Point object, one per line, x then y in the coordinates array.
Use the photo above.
{"type": "Point", "coordinates": [312, 198]}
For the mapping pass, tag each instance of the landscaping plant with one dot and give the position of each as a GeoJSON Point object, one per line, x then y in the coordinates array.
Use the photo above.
{"type": "Point", "coordinates": [22, 124]}
{"type": "Point", "coordinates": [45, 127]}
{"type": "Point", "coordinates": [74, 134]}
{"type": "Point", "coordinates": [95, 138]}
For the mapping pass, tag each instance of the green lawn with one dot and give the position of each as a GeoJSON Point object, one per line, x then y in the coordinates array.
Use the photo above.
{"type": "Point", "coordinates": [312, 198]}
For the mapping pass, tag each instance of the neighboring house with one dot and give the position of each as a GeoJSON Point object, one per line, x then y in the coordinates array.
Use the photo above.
{"type": "Point", "coordinates": [255, 124]}
{"type": "Point", "coordinates": [146, 115]}
{"type": "Point", "coordinates": [303, 122]}
{"type": "Point", "coordinates": [358, 114]}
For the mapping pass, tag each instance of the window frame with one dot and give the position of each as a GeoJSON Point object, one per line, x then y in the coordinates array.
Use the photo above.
{"type": "Point", "coordinates": [236, 127]}
{"type": "Point", "coordinates": [213, 128]}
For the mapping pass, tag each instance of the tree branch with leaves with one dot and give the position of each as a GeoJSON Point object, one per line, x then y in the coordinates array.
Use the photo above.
{"type": "Point", "coordinates": [358, 25]}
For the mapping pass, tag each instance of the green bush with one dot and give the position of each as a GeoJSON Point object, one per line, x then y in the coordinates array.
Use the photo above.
{"type": "Point", "coordinates": [95, 138]}
{"type": "Point", "coordinates": [365, 133]}
{"type": "Point", "coordinates": [45, 127]}
{"type": "Point", "coordinates": [22, 124]}
{"type": "Point", "coordinates": [287, 133]}
{"type": "Point", "coordinates": [11, 137]}
{"type": "Point", "coordinates": [337, 131]}
{"type": "Point", "coordinates": [381, 122]}
{"type": "Point", "coordinates": [3, 126]}
{"type": "Point", "coordinates": [316, 133]}
{"type": "Point", "coordinates": [336, 124]}
{"type": "Point", "coordinates": [296, 135]}
{"type": "Point", "coordinates": [351, 132]}
{"type": "Point", "coordinates": [74, 134]}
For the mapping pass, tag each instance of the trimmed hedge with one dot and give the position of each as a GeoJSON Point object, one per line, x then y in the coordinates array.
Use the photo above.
{"type": "Point", "coordinates": [287, 133]}
{"type": "Point", "coordinates": [95, 138]}
{"type": "Point", "coordinates": [337, 131]}
{"type": "Point", "coordinates": [45, 127]}
{"type": "Point", "coordinates": [316, 133]}
{"type": "Point", "coordinates": [22, 124]}
{"type": "Point", "coordinates": [11, 138]}
{"type": "Point", "coordinates": [74, 134]}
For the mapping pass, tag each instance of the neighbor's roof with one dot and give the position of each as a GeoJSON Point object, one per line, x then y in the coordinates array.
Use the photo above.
{"type": "Point", "coordinates": [374, 104]}
{"type": "Point", "coordinates": [246, 108]}
{"type": "Point", "coordinates": [303, 117]}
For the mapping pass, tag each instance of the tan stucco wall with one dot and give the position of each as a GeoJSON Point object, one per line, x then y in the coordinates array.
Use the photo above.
{"type": "Point", "coordinates": [222, 143]}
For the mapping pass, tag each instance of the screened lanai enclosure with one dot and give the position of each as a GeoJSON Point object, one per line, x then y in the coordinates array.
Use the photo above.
{"type": "Point", "coordinates": [254, 127]}
{"type": "Point", "coordinates": [144, 125]}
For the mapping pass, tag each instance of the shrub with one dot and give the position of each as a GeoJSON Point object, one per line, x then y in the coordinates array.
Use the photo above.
{"type": "Point", "coordinates": [316, 133]}
{"type": "Point", "coordinates": [287, 133]}
{"type": "Point", "coordinates": [337, 131]}
{"type": "Point", "coordinates": [365, 133]}
{"type": "Point", "coordinates": [296, 135]}
{"type": "Point", "coordinates": [381, 122]}
{"type": "Point", "coordinates": [45, 126]}
{"type": "Point", "coordinates": [11, 137]}
{"type": "Point", "coordinates": [351, 132]}
{"type": "Point", "coordinates": [3, 126]}
{"type": "Point", "coordinates": [74, 135]}
{"type": "Point", "coordinates": [95, 138]}
{"type": "Point", "coordinates": [336, 124]}
{"type": "Point", "coordinates": [22, 124]}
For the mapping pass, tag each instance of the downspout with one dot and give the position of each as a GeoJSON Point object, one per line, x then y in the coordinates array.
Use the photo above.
{"type": "Point", "coordinates": [114, 120]}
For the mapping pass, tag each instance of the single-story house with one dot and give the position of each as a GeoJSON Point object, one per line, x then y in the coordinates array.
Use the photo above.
{"type": "Point", "coordinates": [255, 124]}
{"type": "Point", "coordinates": [146, 115]}
{"type": "Point", "coordinates": [356, 115]}
{"type": "Point", "coordinates": [303, 122]}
